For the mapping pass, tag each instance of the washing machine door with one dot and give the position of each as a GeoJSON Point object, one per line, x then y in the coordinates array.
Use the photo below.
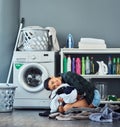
{"type": "Point", "coordinates": [31, 77]}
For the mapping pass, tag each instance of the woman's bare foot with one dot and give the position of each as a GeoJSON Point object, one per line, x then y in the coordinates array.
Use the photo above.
{"type": "Point", "coordinates": [61, 109]}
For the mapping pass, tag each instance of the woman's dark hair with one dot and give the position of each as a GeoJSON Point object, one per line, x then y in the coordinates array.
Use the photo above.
{"type": "Point", "coordinates": [46, 83]}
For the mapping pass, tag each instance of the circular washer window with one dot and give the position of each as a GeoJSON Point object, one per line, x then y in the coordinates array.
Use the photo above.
{"type": "Point", "coordinates": [31, 77]}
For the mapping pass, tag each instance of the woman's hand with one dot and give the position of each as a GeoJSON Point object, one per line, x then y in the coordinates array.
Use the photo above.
{"type": "Point", "coordinates": [60, 100]}
{"type": "Point", "coordinates": [60, 108]}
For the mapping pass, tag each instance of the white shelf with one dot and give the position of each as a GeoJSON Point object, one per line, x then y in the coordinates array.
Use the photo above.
{"type": "Point", "coordinates": [90, 51]}
{"type": "Point", "coordinates": [110, 102]}
{"type": "Point", "coordinates": [101, 76]}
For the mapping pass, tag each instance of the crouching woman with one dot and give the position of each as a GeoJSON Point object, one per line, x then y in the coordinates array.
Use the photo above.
{"type": "Point", "coordinates": [88, 95]}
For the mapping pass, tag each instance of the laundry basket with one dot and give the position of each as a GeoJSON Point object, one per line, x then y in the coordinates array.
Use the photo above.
{"type": "Point", "coordinates": [34, 38]}
{"type": "Point", "coordinates": [6, 97]}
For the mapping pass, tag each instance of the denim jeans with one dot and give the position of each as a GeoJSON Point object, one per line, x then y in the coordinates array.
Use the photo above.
{"type": "Point", "coordinates": [96, 99]}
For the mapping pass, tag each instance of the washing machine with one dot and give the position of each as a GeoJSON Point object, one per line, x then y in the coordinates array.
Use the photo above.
{"type": "Point", "coordinates": [30, 69]}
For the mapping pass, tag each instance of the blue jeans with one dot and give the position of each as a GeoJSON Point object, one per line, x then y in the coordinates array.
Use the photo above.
{"type": "Point", "coordinates": [96, 99]}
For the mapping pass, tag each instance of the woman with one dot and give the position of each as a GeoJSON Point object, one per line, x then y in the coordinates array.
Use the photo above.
{"type": "Point", "coordinates": [88, 95]}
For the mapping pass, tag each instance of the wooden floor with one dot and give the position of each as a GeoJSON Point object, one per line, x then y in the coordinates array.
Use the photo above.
{"type": "Point", "coordinates": [31, 118]}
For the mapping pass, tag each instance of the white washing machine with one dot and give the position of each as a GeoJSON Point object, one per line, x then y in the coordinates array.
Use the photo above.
{"type": "Point", "coordinates": [29, 72]}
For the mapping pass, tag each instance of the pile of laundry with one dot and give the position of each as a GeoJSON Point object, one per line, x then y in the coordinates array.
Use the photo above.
{"type": "Point", "coordinates": [100, 114]}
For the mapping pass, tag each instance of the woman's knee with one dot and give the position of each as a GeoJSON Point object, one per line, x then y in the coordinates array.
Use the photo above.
{"type": "Point", "coordinates": [81, 103]}
{"type": "Point", "coordinates": [67, 107]}
{"type": "Point", "coordinates": [77, 104]}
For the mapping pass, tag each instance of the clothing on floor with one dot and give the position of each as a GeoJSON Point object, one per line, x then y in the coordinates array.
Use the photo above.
{"type": "Point", "coordinates": [99, 114]}
{"type": "Point", "coordinates": [45, 113]}
{"type": "Point", "coordinates": [106, 115]}
{"type": "Point", "coordinates": [80, 114]}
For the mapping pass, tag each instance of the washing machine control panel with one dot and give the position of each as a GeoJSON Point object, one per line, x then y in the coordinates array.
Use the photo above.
{"type": "Point", "coordinates": [42, 56]}
{"type": "Point", "coordinates": [33, 57]}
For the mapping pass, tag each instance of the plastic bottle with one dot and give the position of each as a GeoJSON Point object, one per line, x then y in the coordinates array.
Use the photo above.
{"type": "Point", "coordinates": [70, 41]}
{"type": "Point", "coordinates": [109, 65]}
{"type": "Point", "coordinates": [118, 66]}
{"type": "Point", "coordinates": [87, 65]}
{"type": "Point", "coordinates": [69, 63]}
{"type": "Point", "coordinates": [73, 64]}
{"type": "Point", "coordinates": [65, 64]}
{"type": "Point", "coordinates": [92, 70]}
{"type": "Point", "coordinates": [83, 65]}
{"type": "Point", "coordinates": [78, 65]}
{"type": "Point", "coordinates": [114, 66]}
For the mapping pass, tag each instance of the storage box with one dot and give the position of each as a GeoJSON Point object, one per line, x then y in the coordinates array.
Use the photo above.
{"type": "Point", "coordinates": [6, 97]}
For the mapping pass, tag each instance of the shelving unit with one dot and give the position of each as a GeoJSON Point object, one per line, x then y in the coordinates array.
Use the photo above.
{"type": "Point", "coordinates": [96, 52]}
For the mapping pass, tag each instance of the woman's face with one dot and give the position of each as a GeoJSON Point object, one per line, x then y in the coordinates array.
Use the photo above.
{"type": "Point", "coordinates": [54, 82]}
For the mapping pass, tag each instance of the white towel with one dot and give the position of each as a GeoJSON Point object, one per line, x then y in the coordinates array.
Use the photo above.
{"type": "Point", "coordinates": [91, 43]}
{"type": "Point", "coordinates": [92, 40]}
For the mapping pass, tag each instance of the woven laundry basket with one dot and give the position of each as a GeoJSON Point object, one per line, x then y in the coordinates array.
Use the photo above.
{"type": "Point", "coordinates": [6, 97]}
{"type": "Point", "coordinates": [34, 38]}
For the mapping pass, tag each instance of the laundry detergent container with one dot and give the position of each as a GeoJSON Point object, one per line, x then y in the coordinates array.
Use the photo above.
{"type": "Point", "coordinates": [6, 97]}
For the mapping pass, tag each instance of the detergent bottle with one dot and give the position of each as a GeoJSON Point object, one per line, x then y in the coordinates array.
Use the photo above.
{"type": "Point", "coordinates": [92, 70]}
{"type": "Point", "coordinates": [103, 68]}
{"type": "Point", "coordinates": [118, 66]}
{"type": "Point", "coordinates": [87, 65]}
{"type": "Point", "coordinates": [83, 65]}
{"type": "Point", "coordinates": [69, 63]}
{"type": "Point", "coordinates": [78, 66]}
{"type": "Point", "coordinates": [65, 64]}
{"type": "Point", "coordinates": [114, 66]}
{"type": "Point", "coordinates": [70, 41]}
{"type": "Point", "coordinates": [73, 64]}
{"type": "Point", "coordinates": [109, 65]}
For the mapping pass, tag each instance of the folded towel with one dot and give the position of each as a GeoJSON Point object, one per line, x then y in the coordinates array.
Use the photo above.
{"type": "Point", "coordinates": [92, 40]}
{"type": "Point", "coordinates": [91, 43]}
